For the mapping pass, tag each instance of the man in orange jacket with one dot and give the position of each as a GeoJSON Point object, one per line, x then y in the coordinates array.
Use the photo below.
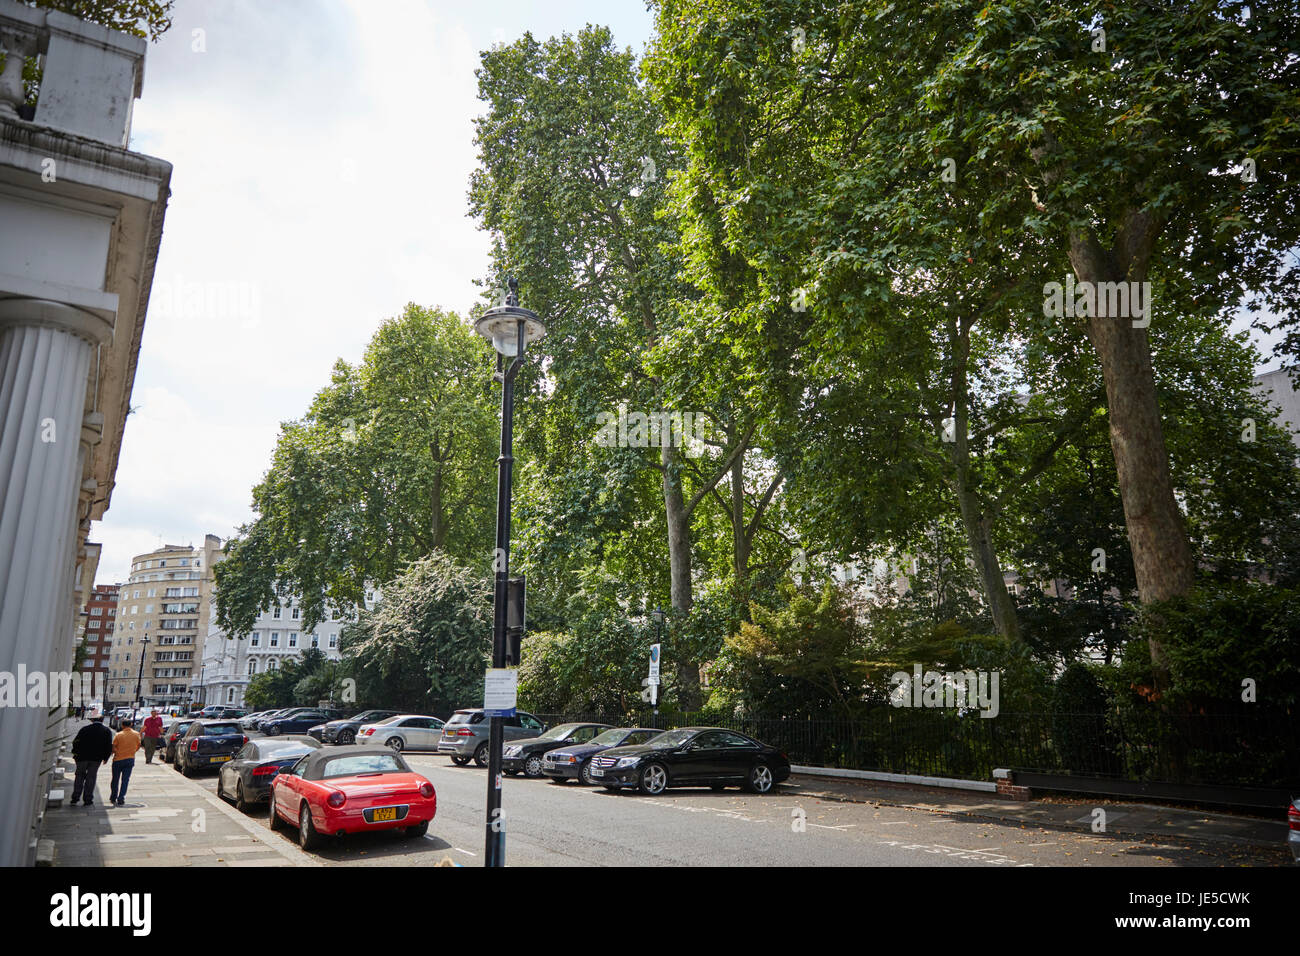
{"type": "Point", "coordinates": [125, 744]}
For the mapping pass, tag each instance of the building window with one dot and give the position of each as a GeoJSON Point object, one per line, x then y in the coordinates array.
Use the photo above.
{"type": "Point", "coordinates": [334, 640]}
{"type": "Point", "coordinates": [230, 695]}
{"type": "Point", "coordinates": [293, 639]}
{"type": "Point", "coordinates": [275, 638]}
{"type": "Point", "coordinates": [276, 613]}
{"type": "Point", "coordinates": [252, 668]}
{"type": "Point", "coordinates": [256, 640]}
{"type": "Point", "coordinates": [295, 614]}
{"type": "Point", "coordinates": [315, 640]}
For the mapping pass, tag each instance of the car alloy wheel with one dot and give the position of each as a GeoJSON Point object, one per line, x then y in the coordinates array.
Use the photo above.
{"type": "Point", "coordinates": [306, 830]}
{"type": "Point", "coordinates": [533, 766]}
{"type": "Point", "coordinates": [395, 743]}
{"type": "Point", "coordinates": [585, 774]}
{"type": "Point", "coordinates": [273, 730]}
{"type": "Point", "coordinates": [654, 779]}
{"type": "Point", "coordinates": [347, 737]}
{"type": "Point", "coordinates": [460, 761]}
{"type": "Point", "coordinates": [241, 803]}
{"type": "Point", "coordinates": [273, 818]}
{"type": "Point", "coordinates": [481, 755]}
{"type": "Point", "coordinates": [760, 778]}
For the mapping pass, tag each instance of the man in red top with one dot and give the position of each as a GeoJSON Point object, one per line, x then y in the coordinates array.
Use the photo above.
{"type": "Point", "coordinates": [153, 732]}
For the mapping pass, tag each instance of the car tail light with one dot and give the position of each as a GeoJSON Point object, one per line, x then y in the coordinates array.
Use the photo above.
{"type": "Point", "coordinates": [194, 745]}
{"type": "Point", "coordinates": [1293, 817]}
{"type": "Point", "coordinates": [426, 791]}
{"type": "Point", "coordinates": [465, 732]}
{"type": "Point", "coordinates": [336, 799]}
{"type": "Point", "coordinates": [368, 731]}
{"type": "Point", "coordinates": [270, 771]}
{"type": "Point", "coordinates": [245, 738]}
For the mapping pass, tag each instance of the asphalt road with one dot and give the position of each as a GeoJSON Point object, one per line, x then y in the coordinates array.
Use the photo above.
{"type": "Point", "coordinates": [551, 824]}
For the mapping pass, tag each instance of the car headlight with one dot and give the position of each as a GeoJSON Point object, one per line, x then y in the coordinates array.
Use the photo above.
{"type": "Point", "coordinates": [628, 761]}
{"type": "Point", "coordinates": [514, 751]}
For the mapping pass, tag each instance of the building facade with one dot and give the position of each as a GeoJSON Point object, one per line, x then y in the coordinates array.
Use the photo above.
{"type": "Point", "coordinates": [230, 662]}
{"type": "Point", "coordinates": [163, 614]}
{"type": "Point", "coordinates": [82, 221]}
{"type": "Point", "coordinates": [99, 620]}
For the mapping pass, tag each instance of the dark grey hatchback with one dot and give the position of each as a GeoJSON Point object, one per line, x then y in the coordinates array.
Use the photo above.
{"type": "Point", "coordinates": [207, 743]}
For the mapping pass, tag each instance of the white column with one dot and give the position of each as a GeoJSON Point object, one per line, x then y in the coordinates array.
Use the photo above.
{"type": "Point", "coordinates": [45, 355]}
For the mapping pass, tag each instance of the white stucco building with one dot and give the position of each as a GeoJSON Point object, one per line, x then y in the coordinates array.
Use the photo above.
{"type": "Point", "coordinates": [229, 662]}
{"type": "Point", "coordinates": [81, 220]}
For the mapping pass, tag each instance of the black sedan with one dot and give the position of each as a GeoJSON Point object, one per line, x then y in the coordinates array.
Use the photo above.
{"type": "Point", "coordinates": [297, 721]}
{"type": "Point", "coordinates": [206, 744]}
{"type": "Point", "coordinates": [246, 779]}
{"type": "Point", "coordinates": [574, 762]}
{"type": "Point", "coordinates": [345, 731]}
{"type": "Point", "coordinates": [692, 757]}
{"type": "Point", "coordinates": [526, 755]}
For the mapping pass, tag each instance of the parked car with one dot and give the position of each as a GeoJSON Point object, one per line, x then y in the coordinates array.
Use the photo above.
{"type": "Point", "coordinates": [174, 732]}
{"type": "Point", "coordinates": [1293, 834]}
{"type": "Point", "coordinates": [297, 721]}
{"type": "Point", "coordinates": [465, 735]}
{"type": "Point", "coordinates": [207, 743]}
{"type": "Point", "coordinates": [339, 790]}
{"type": "Point", "coordinates": [692, 756]}
{"type": "Point", "coordinates": [573, 761]}
{"type": "Point", "coordinates": [345, 731]}
{"type": "Point", "coordinates": [270, 714]}
{"type": "Point", "coordinates": [247, 778]}
{"type": "Point", "coordinates": [115, 718]}
{"type": "Point", "coordinates": [250, 721]}
{"type": "Point", "coordinates": [525, 756]}
{"type": "Point", "coordinates": [404, 732]}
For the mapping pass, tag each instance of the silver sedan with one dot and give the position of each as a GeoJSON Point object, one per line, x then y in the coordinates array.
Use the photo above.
{"type": "Point", "coordinates": [403, 732]}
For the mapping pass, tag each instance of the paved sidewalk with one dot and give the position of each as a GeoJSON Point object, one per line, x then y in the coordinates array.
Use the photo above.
{"type": "Point", "coordinates": [1138, 819]}
{"type": "Point", "coordinates": [167, 821]}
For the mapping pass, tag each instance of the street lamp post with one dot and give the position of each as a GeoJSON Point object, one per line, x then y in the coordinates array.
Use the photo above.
{"type": "Point", "coordinates": [139, 677]}
{"type": "Point", "coordinates": [509, 328]}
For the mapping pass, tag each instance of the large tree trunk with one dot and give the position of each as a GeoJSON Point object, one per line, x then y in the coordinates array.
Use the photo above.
{"type": "Point", "coordinates": [977, 522]}
{"type": "Point", "coordinates": [679, 565]}
{"type": "Point", "coordinates": [439, 528]}
{"type": "Point", "coordinates": [1162, 555]}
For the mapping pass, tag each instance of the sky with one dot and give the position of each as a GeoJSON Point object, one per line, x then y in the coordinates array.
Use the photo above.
{"type": "Point", "coordinates": [322, 151]}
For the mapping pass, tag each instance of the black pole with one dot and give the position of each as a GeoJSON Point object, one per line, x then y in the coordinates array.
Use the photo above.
{"type": "Point", "coordinates": [139, 677]}
{"type": "Point", "coordinates": [495, 846]}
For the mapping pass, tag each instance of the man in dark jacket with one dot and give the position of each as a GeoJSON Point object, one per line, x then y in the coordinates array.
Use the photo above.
{"type": "Point", "coordinates": [91, 749]}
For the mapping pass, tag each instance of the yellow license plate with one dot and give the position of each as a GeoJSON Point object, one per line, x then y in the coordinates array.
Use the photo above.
{"type": "Point", "coordinates": [384, 813]}
{"type": "Point", "coordinates": [218, 759]}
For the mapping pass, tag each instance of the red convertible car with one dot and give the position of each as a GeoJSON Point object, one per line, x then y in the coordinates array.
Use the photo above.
{"type": "Point", "coordinates": [338, 790]}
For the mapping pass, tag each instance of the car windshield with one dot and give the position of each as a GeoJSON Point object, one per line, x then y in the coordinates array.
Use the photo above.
{"type": "Point", "coordinates": [561, 732]}
{"type": "Point", "coordinates": [610, 737]}
{"type": "Point", "coordinates": [362, 763]}
{"type": "Point", "coordinates": [470, 717]}
{"type": "Point", "coordinates": [213, 729]}
{"type": "Point", "coordinates": [283, 751]}
{"type": "Point", "coordinates": [369, 715]}
{"type": "Point", "coordinates": [672, 738]}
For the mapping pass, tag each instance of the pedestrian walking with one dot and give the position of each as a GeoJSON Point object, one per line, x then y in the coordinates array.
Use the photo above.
{"type": "Point", "coordinates": [91, 749]}
{"type": "Point", "coordinates": [125, 745]}
{"type": "Point", "coordinates": [153, 734]}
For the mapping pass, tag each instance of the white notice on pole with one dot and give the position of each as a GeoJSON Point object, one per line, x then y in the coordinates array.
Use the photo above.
{"type": "Point", "coordinates": [654, 664]}
{"type": "Point", "coordinates": [500, 691]}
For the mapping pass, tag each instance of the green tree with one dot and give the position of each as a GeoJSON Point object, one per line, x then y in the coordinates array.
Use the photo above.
{"type": "Point", "coordinates": [424, 648]}
{"type": "Point", "coordinates": [393, 461]}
